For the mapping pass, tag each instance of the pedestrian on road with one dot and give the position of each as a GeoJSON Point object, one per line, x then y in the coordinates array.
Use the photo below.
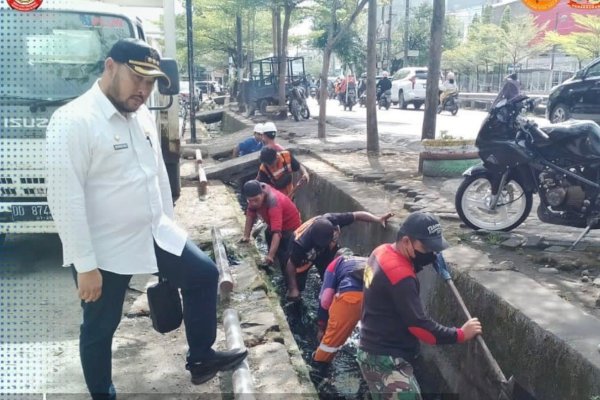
{"type": "Point", "coordinates": [277, 169]}
{"type": "Point", "coordinates": [269, 133]}
{"type": "Point", "coordinates": [110, 198]}
{"type": "Point", "coordinates": [340, 303]}
{"type": "Point", "coordinates": [250, 145]}
{"type": "Point", "coordinates": [316, 242]}
{"type": "Point", "coordinates": [393, 321]}
{"type": "Point", "coordinates": [279, 213]}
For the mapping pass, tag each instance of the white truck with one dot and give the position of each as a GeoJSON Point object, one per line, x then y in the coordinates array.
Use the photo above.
{"type": "Point", "coordinates": [47, 58]}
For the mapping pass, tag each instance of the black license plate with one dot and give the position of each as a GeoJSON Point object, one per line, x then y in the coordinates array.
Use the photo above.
{"type": "Point", "coordinates": [31, 213]}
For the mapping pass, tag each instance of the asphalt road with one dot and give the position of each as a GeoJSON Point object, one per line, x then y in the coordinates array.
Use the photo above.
{"type": "Point", "coordinates": [405, 124]}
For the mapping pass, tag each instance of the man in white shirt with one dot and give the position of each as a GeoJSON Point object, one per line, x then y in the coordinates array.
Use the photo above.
{"type": "Point", "coordinates": [109, 194]}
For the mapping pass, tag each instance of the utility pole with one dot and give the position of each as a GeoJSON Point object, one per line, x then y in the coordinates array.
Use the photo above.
{"type": "Point", "coordinates": [190, 49]}
{"type": "Point", "coordinates": [406, 15]}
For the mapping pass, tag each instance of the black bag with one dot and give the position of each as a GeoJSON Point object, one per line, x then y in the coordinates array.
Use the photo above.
{"type": "Point", "coordinates": [165, 306]}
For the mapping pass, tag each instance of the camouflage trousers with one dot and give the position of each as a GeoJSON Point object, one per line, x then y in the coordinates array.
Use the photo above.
{"type": "Point", "coordinates": [388, 377]}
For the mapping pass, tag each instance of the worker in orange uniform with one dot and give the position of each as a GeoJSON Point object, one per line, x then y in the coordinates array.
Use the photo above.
{"type": "Point", "coordinates": [340, 304]}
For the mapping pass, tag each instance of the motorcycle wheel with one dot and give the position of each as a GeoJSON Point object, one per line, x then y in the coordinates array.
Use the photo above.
{"type": "Point", "coordinates": [350, 106]}
{"type": "Point", "coordinates": [454, 110]}
{"type": "Point", "coordinates": [474, 196]}
{"type": "Point", "coordinates": [305, 112]}
{"type": "Point", "coordinates": [387, 105]}
{"type": "Point", "coordinates": [295, 109]}
{"type": "Point", "coordinates": [439, 109]}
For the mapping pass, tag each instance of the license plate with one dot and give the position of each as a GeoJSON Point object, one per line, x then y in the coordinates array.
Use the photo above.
{"type": "Point", "coordinates": [31, 213]}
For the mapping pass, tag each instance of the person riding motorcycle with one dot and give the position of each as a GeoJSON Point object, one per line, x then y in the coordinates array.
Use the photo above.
{"type": "Point", "coordinates": [362, 84]}
{"type": "Point", "coordinates": [347, 83]}
{"type": "Point", "coordinates": [383, 85]}
{"type": "Point", "coordinates": [448, 88]}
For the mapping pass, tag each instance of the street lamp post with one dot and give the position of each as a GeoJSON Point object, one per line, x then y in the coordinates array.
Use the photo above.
{"type": "Point", "coordinates": [190, 48]}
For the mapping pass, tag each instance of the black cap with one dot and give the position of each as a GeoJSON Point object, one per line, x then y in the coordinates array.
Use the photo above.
{"type": "Point", "coordinates": [268, 155]}
{"type": "Point", "coordinates": [321, 232]}
{"type": "Point", "coordinates": [252, 188]}
{"type": "Point", "coordinates": [426, 228]}
{"type": "Point", "coordinates": [140, 57]}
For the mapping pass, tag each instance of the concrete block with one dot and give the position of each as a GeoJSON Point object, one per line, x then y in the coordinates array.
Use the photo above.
{"type": "Point", "coordinates": [533, 241]}
{"type": "Point", "coordinates": [512, 243]}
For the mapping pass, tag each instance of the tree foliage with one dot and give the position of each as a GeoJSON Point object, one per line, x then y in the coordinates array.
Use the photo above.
{"type": "Point", "coordinates": [419, 35]}
{"type": "Point", "coordinates": [214, 31]}
{"type": "Point", "coordinates": [583, 45]}
{"type": "Point", "coordinates": [488, 44]}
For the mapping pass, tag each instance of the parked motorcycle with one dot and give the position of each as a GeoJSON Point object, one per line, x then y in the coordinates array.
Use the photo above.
{"type": "Point", "coordinates": [385, 100]}
{"type": "Point", "coordinates": [450, 103]}
{"type": "Point", "coordinates": [313, 91]}
{"type": "Point", "coordinates": [297, 103]}
{"type": "Point", "coordinates": [561, 163]}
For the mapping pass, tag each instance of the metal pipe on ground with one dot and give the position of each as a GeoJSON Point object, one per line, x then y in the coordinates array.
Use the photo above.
{"type": "Point", "coordinates": [225, 279]}
{"type": "Point", "coordinates": [243, 386]}
{"type": "Point", "coordinates": [202, 180]}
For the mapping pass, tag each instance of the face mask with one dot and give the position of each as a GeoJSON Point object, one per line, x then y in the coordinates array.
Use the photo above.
{"type": "Point", "coordinates": [422, 259]}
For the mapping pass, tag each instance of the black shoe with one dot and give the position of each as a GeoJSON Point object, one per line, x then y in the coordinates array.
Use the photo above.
{"type": "Point", "coordinates": [203, 371]}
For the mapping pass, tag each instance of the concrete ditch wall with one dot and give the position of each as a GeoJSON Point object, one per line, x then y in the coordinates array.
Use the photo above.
{"type": "Point", "coordinates": [550, 348]}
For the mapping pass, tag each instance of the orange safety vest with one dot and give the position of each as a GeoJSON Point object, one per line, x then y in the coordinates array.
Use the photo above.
{"type": "Point", "coordinates": [280, 174]}
{"type": "Point", "coordinates": [297, 233]}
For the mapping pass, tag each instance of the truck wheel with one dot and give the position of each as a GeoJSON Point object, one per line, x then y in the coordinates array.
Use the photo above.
{"type": "Point", "coordinates": [418, 105]}
{"type": "Point", "coordinates": [262, 106]}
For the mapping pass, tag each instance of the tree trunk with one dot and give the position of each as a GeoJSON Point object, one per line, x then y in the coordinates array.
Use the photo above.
{"type": "Point", "coordinates": [324, 95]}
{"type": "Point", "coordinates": [372, 131]}
{"type": "Point", "coordinates": [331, 41]}
{"type": "Point", "coordinates": [433, 76]}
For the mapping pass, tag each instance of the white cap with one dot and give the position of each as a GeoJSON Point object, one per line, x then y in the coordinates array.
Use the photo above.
{"type": "Point", "coordinates": [385, 74]}
{"type": "Point", "coordinates": [450, 75]}
{"type": "Point", "coordinates": [258, 128]}
{"type": "Point", "coordinates": [269, 127]}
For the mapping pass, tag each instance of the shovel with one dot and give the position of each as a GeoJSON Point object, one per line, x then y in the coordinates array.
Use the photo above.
{"type": "Point", "coordinates": [509, 389]}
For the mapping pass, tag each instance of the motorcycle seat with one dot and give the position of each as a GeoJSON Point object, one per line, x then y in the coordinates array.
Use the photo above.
{"type": "Point", "coordinates": [581, 138]}
{"type": "Point", "coordinates": [565, 130]}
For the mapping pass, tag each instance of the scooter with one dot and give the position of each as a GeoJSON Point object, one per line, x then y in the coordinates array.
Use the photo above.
{"type": "Point", "coordinates": [450, 103]}
{"type": "Point", "coordinates": [362, 100]}
{"type": "Point", "coordinates": [349, 98]}
{"type": "Point", "coordinates": [385, 100]}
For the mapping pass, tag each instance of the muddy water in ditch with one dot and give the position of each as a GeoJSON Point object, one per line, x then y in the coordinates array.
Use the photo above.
{"type": "Point", "coordinates": [342, 380]}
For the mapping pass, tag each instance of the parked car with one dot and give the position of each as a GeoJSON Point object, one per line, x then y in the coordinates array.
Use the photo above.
{"type": "Point", "coordinates": [578, 97]}
{"type": "Point", "coordinates": [408, 87]}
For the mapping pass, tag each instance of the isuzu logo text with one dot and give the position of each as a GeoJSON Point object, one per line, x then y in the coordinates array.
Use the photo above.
{"type": "Point", "coordinates": [25, 122]}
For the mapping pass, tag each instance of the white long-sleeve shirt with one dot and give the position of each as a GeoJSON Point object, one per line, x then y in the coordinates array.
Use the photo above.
{"type": "Point", "coordinates": [108, 188]}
